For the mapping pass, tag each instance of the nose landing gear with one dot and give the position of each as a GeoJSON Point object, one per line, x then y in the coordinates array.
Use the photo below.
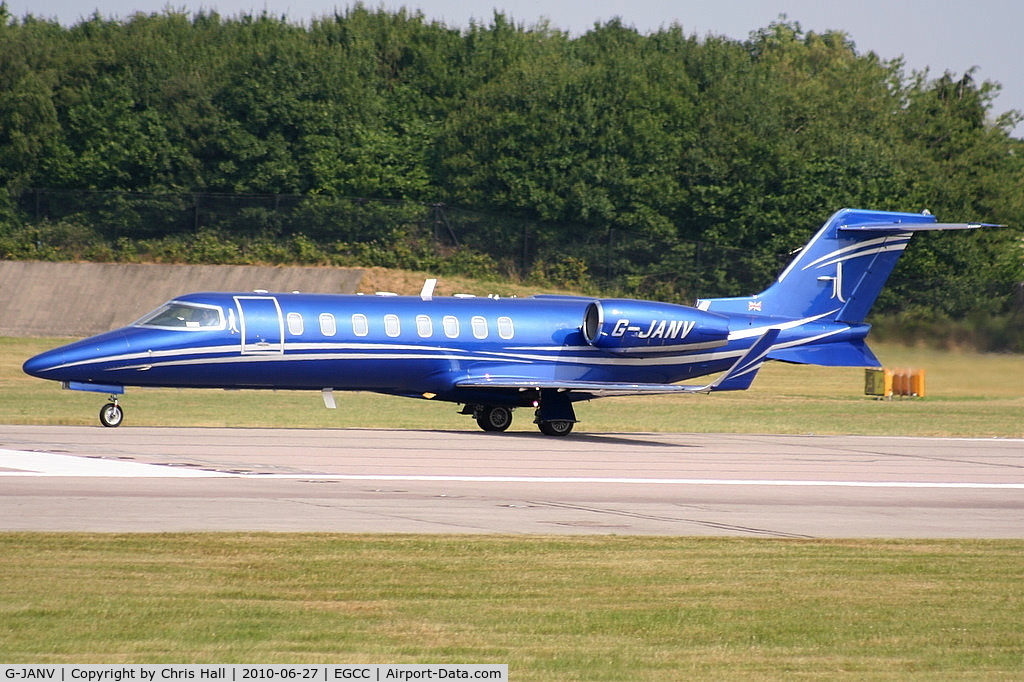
{"type": "Point", "coordinates": [111, 414]}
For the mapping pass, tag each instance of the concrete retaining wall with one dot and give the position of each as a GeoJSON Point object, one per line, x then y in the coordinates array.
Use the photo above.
{"type": "Point", "coordinates": [81, 299]}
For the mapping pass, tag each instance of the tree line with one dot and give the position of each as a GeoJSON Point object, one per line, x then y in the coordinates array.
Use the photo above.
{"type": "Point", "coordinates": [615, 160]}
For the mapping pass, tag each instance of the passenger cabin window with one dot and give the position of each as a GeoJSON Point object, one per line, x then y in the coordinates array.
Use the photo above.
{"type": "Point", "coordinates": [328, 326]}
{"type": "Point", "coordinates": [360, 327]}
{"type": "Point", "coordinates": [392, 327]}
{"type": "Point", "coordinates": [479, 326]}
{"type": "Point", "coordinates": [176, 315]}
{"type": "Point", "coordinates": [505, 328]}
{"type": "Point", "coordinates": [451, 326]}
{"type": "Point", "coordinates": [295, 324]}
{"type": "Point", "coordinates": [424, 326]}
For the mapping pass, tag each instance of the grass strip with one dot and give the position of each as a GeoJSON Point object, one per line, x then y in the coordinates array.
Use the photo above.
{"type": "Point", "coordinates": [576, 608]}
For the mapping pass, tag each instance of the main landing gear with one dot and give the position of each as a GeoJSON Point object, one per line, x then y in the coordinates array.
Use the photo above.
{"type": "Point", "coordinates": [493, 417]}
{"type": "Point", "coordinates": [498, 418]}
{"type": "Point", "coordinates": [111, 414]}
{"type": "Point", "coordinates": [558, 427]}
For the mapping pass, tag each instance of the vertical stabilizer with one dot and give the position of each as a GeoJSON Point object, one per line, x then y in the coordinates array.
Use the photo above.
{"type": "Point", "coordinates": [838, 275]}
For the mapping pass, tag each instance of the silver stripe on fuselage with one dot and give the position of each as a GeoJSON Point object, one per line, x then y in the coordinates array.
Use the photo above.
{"type": "Point", "coordinates": [228, 354]}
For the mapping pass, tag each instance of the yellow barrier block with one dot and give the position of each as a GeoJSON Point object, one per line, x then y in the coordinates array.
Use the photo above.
{"type": "Point", "coordinates": [878, 382]}
{"type": "Point", "coordinates": [917, 383]}
{"type": "Point", "coordinates": [885, 383]}
{"type": "Point", "coordinates": [901, 382]}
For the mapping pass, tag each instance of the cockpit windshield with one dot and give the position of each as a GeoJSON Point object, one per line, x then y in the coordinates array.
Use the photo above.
{"type": "Point", "coordinates": [177, 315]}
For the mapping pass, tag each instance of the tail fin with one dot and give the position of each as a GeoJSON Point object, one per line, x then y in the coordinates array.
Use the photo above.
{"type": "Point", "coordinates": [838, 275]}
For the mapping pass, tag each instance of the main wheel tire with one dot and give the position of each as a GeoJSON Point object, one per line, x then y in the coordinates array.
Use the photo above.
{"type": "Point", "coordinates": [111, 415]}
{"type": "Point", "coordinates": [556, 428]}
{"type": "Point", "coordinates": [494, 418]}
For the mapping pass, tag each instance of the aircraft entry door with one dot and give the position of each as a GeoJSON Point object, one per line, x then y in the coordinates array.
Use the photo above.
{"type": "Point", "coordinates": [261, 324]}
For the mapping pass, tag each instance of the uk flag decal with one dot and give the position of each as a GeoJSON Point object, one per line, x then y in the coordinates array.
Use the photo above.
{"type": "Point", "coordinates": [753, 306]}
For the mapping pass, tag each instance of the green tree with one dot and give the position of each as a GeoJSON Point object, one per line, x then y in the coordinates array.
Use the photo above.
{"type": "Point", "coordinates": [29, 122]}
{"type": "Point", "coordinates": [653, 165]}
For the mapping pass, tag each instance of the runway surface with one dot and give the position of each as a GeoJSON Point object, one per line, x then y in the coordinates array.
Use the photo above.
{"type": "Point", "coordinates": [353, 480]}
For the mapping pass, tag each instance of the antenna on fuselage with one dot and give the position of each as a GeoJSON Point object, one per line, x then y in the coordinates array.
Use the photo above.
{"type": "Point", "coordinates": [427, 292]}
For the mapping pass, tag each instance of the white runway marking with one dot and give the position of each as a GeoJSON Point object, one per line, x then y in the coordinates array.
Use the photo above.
{"type": "Point", "coordinates": [19, 463]}
{"type": "Point", "coordinates": [647, 481]}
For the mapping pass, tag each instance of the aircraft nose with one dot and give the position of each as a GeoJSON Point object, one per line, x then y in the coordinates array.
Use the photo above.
{"type": "Point", "coordinates": [79, 361]}
{"type": "Point", "coordinates": [44, 364]}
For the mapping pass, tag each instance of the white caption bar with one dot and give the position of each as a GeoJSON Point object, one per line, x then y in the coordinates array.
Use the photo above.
{"type": "Point", "coordinates": [255, 672]}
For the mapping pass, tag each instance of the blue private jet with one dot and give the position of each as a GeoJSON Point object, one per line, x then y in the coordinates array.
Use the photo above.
{"type": "Point", "coordinates": [493, 355]}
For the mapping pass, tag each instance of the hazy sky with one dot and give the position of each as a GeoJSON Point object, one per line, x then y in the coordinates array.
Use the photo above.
{"type": "Point", "coordinates": [953, 35]}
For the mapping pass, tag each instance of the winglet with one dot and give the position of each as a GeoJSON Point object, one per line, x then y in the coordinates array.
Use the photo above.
{"type": "Point", "coordinates": [741, 375]}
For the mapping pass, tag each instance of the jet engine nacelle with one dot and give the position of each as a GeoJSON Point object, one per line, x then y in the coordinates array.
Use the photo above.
{"type": "Point", "coordinates": [638, 327]}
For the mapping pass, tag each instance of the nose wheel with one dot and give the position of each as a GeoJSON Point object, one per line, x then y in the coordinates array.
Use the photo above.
{"type": "Point", "coordinates": [111, 414]}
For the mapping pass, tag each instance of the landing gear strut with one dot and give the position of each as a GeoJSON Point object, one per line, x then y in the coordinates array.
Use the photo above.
{"type": "Point", "coordinates": [554, 415]}
{"type": "Point", "coordinates": [111, 414]}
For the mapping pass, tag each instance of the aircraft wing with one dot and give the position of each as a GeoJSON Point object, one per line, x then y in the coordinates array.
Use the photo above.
{"type": "Point", "coordinates": [596, 389]}
{"type": "Point", "coordinates": [737, 378]}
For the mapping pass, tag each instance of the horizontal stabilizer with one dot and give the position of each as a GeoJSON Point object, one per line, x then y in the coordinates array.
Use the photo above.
{"type": "Point", "coordinates": [911, 227]}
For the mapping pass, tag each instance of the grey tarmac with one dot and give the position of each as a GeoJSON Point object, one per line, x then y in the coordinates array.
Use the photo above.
{"type": "Point", "coordinates": [143, 479]}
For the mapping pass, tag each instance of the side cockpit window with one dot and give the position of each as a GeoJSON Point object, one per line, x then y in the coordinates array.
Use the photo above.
{"type": "Point", "coordinates": [175, 315]}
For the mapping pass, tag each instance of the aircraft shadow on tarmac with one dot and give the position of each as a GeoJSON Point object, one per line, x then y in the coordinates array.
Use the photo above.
{"type": "Point", "coordinates": [641, 439]}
